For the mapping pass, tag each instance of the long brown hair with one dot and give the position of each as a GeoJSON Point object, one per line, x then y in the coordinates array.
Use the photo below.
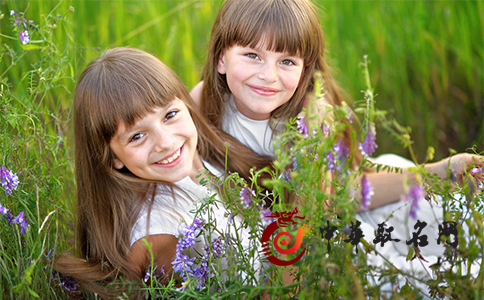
{"type": "Point", "coordinates": [123, 85]}
{"type": "Point", "coordinates": [289, 26]}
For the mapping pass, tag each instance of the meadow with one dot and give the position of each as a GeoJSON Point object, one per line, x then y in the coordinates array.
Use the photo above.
{"type": "Point", "coordinates": [426, 66]}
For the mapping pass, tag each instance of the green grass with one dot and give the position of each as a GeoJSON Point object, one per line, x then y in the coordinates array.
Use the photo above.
{"type": "Point", "coordinates": [426, 56]}
{"type": "Point", "coordinates": [426, 66]}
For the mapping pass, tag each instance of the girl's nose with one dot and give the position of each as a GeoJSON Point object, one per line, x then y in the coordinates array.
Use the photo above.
{"type": "Point", "coordinates": [268, 72]}
{"type": "Point", "coordinates": [163, 140]}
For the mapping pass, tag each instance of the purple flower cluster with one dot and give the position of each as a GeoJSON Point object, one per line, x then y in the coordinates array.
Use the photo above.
{"type": "Point", "coordinates": [367, 192]}
{"type": "Point", "coordinates": [368, 146]}
{"type": "Point", "coordinates": [154, 272]}
{"type": "Point", "coordinates": [185, 266]}
{"type": "Point", "coordinates": [9, 180]}
{"type": "Point", "coordinates": [183, 263]}
{"type": "Point", "coordinates": [301, 125]}
{"type": "Point", "coordinates": [203, 272]}
{"type": "Point", "coordinates": [337, 158]}
{"type": "Point", "coordinates": [325, 130]}
{"type": "Point", "coordinates": [414, 195]}
{"type": "Point", "coordinates": [478, 174]}
{"type": "Point", "coordinates": [294, 163]}
{"type": "Point", "coordinates": [66, 282]}
{"type": "Point", "coordinates": [22, 26]}
{"type": "Point", "coordinates": [246, 195]}
{"type": "Point", "coordinates": [19, 219]}
{"type": "Point", "coordinates": [265, 216]}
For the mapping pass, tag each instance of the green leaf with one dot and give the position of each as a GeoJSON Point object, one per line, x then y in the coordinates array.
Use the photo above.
{"type": "Point", "coordinates": [410, 254]}
{"type": "Point", "coordinates": [13, 122]}
{"type": "Point", "coordinates": [30, 47]}
{"type": "Point", "coordinates": [430, 154]}
{"type": "Point", "coordinates": [34, 294]}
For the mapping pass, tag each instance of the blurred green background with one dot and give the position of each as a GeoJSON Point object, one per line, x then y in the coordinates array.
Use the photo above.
{"type": "Point", "coordinates": [426, 57]}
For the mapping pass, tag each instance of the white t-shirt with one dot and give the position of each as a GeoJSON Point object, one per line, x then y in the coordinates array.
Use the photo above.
{"type": "Point", "coordinates": [170, 215]}
{"type": "Point", "coordinates": [255, 134]}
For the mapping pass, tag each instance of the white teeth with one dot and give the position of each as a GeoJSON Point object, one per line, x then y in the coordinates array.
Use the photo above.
{"type": "Point", "coordinates": [170, 159]}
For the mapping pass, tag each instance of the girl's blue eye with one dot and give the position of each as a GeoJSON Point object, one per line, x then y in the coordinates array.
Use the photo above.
{"type": "Point", "coordinates": [170, 115]}
{"type": "Point", "coordinates": [252, 55]}
{"type": "Point", "coordinates": [135, 137]}
{"type": "Point", "coordinates": [287, 62]}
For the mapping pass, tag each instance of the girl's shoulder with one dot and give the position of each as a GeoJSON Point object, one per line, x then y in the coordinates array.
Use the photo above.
{"type": "Point", "coordinates": [196, 93]}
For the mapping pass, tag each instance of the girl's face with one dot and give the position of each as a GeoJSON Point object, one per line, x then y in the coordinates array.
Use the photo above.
{"type": "Point", "coordinates": [260, 80]}
{"type": "Point", "coordinates": [160, 146]}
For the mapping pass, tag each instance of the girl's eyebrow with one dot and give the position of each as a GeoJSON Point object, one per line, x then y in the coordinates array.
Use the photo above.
{"type": "Point", "coordinates": [128, 131]}
{"type": "Point", "coordinates": [258, 48]}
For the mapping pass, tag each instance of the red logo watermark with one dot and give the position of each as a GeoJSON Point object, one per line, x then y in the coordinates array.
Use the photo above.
{"type": "Point", "coordinates": [283, 238]}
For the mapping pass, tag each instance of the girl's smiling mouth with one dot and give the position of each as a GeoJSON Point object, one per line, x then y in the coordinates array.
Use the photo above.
{"type": "Point", "coordinates": [172, 159]}
{"type": "Point", "coordinates": [263, 91]}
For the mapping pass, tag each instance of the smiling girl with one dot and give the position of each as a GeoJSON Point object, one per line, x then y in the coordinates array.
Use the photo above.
{"type": "Point", "coordinates": [139, 146]}
{"type": "Point", "coordinates": [259, 73]}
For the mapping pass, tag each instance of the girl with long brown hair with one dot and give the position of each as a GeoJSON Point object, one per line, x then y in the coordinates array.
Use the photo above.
{"type": "Point", "coordinates": [260, 67]}
{"type": "Point", "coordinates": [139, 148]}
{"type": "Point", "coordinates": [260, 72]}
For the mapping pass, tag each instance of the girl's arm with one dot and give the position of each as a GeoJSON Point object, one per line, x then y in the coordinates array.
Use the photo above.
{"type": "Point", "coordinates": [388, 187]}
{"type": "Point", "coordinates": [163, 247]}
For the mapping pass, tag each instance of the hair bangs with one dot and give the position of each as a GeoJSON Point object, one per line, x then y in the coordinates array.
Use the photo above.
{"type": "Point", "coordinates": [283, 26]}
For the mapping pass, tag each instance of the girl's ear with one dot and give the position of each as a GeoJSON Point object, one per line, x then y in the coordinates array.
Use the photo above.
{"type": "Point", "coordinates": [221, 63]}
{"type": "Point", "coordinates": [118, 164]}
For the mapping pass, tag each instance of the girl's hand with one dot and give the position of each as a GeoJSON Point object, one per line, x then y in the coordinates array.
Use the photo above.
{"type": "Point", "coordinates": [456, 165]}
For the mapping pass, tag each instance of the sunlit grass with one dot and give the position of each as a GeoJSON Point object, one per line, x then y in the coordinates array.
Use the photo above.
{"type": "Point", "coordinates": [426, 66]}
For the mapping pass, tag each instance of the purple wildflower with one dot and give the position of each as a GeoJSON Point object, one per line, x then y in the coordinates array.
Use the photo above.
{"type": "Point", "coordinates": [49, 253]}
{"type": "Point", "coordinates": [203, 272]}
{"type": "Point", "coordinates": [190, 233]}
{"type": "Point", "coordinates": [301, 126]}
{"type": "Point", "coordinates": [246, 195]}
{"type": "Point", "coordinates": [331, 162]}
{"type": "Point", "coordinates": [6, 213]}
{"type": "Point", "coordinates": [65, 281]}
{"type": "Point", "coordinates": [312, 155]}
{"type": "Point", "coordinates": [217, 247]}
{"type": "Point", "coordinates": [9, 180]}
{"type": "Point", "coordinates": [182, 264]}
{"type": "Point", "coordinates": [337, 158]}
{"type": "Point", "coordinates": [154, 273]}
{"type": "Point", "coordinates": [478, 174]}
{"type": "Point", "coordinates": [24, 37]}
{"type": "Point", "coordinates": [21, 220]}
{"type": "Point", "coordinates": [367, 192]}
{"type": "Point", "coordinates": [22, 26]}
{"type": "Point", "coordinates": [342, 152]}
{"type": "Point", "coordinates": [369, 145]}
{"type": "Point", "coordinates": [349, 114]}
{"type": "Point", "coordinates": [325, 130]}
{"type": "Point", "coordinates": [265, 217]}
{"type": "Point", "coordinates": [3, 210]}
{"type": "Point", "coordinates": [415, 194]}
